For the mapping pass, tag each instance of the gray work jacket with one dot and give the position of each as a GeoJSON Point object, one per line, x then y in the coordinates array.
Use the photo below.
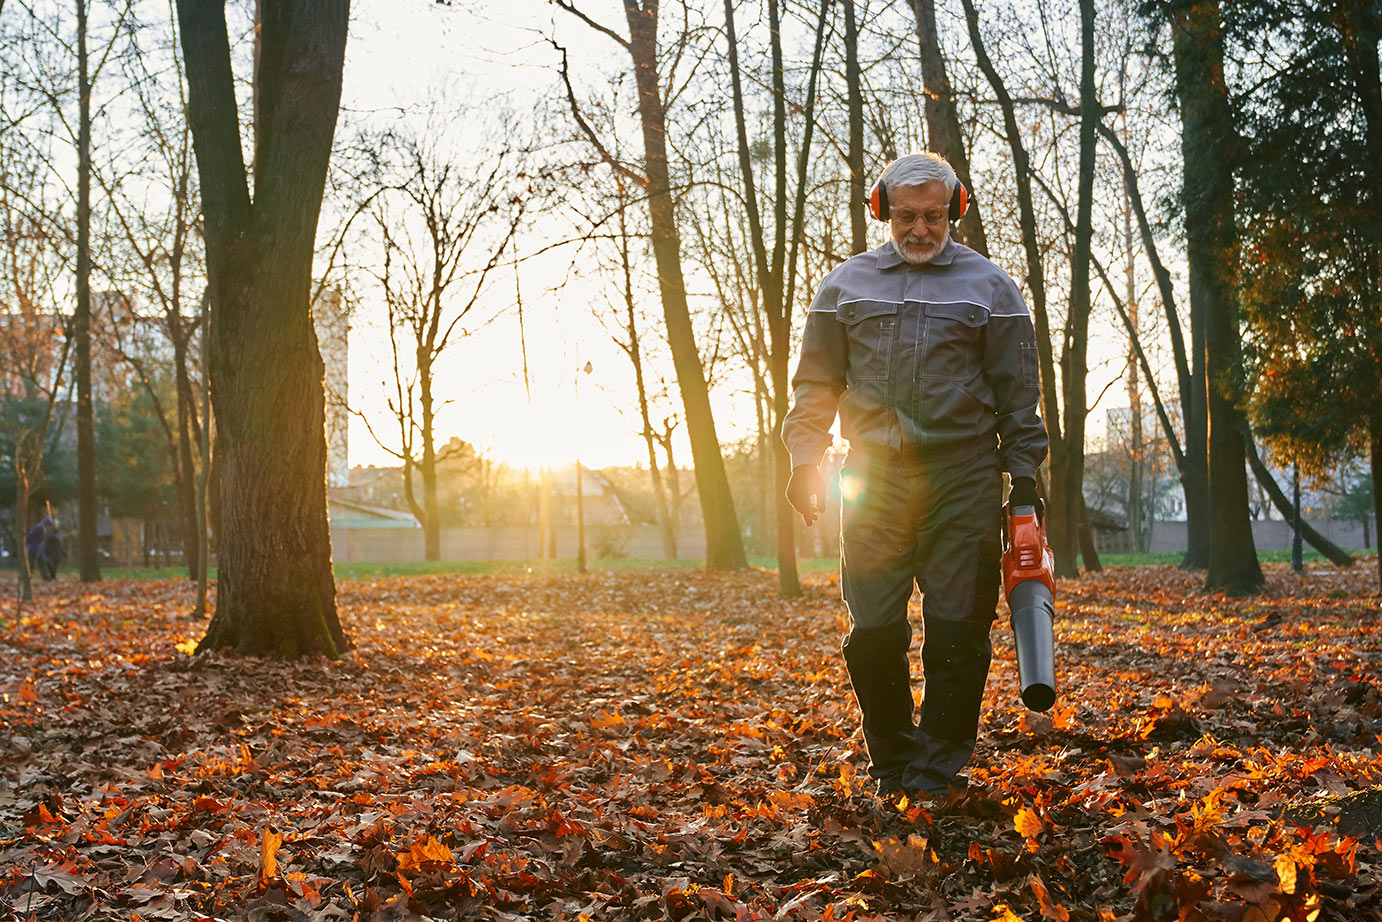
{"type": "Point", "coordinates": [936, 362]}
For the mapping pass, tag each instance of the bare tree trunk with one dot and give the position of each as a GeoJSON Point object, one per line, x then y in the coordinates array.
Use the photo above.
{"type": "Point", "coordinates": [1191, 462]}
{"type": "Point", "coordinates": [1074, 354]}
{"type": "Point", "coordinates": [1212, 252]}
{"type": "Point", "coordinates": [1058, 523]}
{"type": "Point", "coordinates": [858, 219]}
{"type": "Point", "coordinates": [774, 268]}
{"type": "Point", "coordinates": [88, 554]}
{"type": "Point", "coordinates": [634, 350]}
{"type": "Point", "coordinates": [427, 467]}
{"type": "Point", "coordinates": [1375, 446]}
{"type": "Point", "coordinates": [1194, 475]}
{"type": "Point", "coordinates": [204, 477]}
{"type": "Point", "coordinates": [276, 589]}
{"type": "Point", "coordinates": [1088, 549]}
{"type": "Point", "coordinates": [185, 466]}
{"type": "Point", "coordinates": [943, 121]}
{"type": "Point", "coordinates": [1134, 391]}
{"type": "Point", "coordinates": [724, 544]}
{"type": "Point", "coordinates": [21, 519]}
{"type": "Point", "coordinates": [546, 527]}
{"type": "Point", "coordinates": [675, 496]}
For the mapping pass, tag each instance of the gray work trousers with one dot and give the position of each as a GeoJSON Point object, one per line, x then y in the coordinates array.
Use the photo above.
{"type": "Point", "coordinates": [906, 522]}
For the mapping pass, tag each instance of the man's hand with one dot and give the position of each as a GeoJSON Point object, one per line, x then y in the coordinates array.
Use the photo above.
{"type": "Point", "coordinates": [806, 492]}
{"type": "Point", "coordinates": [1024, 493]}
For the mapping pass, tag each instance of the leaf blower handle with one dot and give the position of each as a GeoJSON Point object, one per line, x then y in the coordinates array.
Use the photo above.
{"type": "Point", "coordinates": [1030, 585]}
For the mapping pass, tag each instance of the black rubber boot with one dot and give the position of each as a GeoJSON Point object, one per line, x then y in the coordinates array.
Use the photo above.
{"type": "Point", "coordinates": [882, 680]}
{"type": "Point", "coordinates": [956, 657]}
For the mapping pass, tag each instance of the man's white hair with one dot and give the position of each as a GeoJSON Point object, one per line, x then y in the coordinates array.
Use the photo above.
{"type": "Point", "coordinates": [918, 170]}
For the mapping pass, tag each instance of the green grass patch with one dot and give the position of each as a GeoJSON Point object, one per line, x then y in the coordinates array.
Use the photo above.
{"type": "Point", "coordinates": [1173, 558]}
{"type": "Point", "coordinates": [547, 567]}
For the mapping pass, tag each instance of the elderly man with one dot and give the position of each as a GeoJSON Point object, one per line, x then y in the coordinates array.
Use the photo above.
{"type": "Point", "coordinates": [927, 352]}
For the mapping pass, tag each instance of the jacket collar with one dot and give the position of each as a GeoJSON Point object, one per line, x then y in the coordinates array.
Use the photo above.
{"type": "Point", "coordinates": [888, 257]}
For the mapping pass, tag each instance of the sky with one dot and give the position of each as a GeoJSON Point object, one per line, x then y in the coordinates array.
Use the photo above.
{"type": "Point", "coordinates": [400, 54]}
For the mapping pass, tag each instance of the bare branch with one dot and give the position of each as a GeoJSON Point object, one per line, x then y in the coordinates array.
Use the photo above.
{"type": "Point", "coordinates": [598, 27]}
{"type": "Point", "coordinates": [591, 136]}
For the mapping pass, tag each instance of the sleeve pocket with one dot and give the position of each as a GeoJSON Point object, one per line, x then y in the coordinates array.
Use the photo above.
{"type": "Point", "coordinates": [1028, 365]}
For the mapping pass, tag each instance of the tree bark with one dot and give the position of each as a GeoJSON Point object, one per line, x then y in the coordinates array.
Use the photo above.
{"type": "Point", "coordinates": [186, 468]}
{"type": "Point", "coordinates": [1212, 253]}
{"type": "Point", "coordinates": [1191, 463]}
{"type": "Point", "coordinates": [1135, 465]}
{"type": "Point", "coordinates": [1375, 446]}
{"type": "Point", "coordinates": [724, 546]}
{"type": "Point", "coordinates": [204, 476]}
{"type": "Point", "coordinates": [1088, 549]}
{"type": "Point", "coordinates": [943, 121]}
{"type": "Point", "coordinates": [858, 218]}
{"type": "Point", "coordinates": [427, 467]}
{"type": "Point", "coordinates": [88, 546]}
{"type": "Point", "coordinates": [1058, 524]}
{"type": "Point", "coordinates": [770, 279]}
{"type": "Point", "coordinates": [1074, 354]}
{"type": "Point", "coordinates": [276, 590]}
{"type": "Point", "coordinates": [635, 353]}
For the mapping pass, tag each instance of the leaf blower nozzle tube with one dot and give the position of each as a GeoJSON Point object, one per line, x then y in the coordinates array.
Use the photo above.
{"type": "Point", "coordinates": [1029, 582]}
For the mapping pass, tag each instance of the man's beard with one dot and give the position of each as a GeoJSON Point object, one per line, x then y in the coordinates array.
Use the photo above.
{"type": "Point", "coordinates": [922, 258]}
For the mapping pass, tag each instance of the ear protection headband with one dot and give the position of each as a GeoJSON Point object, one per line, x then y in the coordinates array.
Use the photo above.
{"type": "Point", "coordinates": [878, 201]}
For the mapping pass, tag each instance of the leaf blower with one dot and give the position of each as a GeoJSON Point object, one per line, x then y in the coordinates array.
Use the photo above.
{"type": "Point", "coordinates": [1029, 570]}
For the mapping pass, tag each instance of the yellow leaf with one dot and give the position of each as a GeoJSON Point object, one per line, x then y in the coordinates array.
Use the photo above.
{"type": "Point", "coordinates": [422, 852]}
{"type": "Point", "coordinates": [1027, 823]}
{"type": "Point", "coordinates": [1286, 873]}
{"type": "Point", "coordinates": [268, 850]}
{"type": "Point", "coordinates": [604, 720]}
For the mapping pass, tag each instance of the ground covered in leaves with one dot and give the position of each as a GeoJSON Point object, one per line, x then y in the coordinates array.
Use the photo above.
{"type": "Point", "coordinates": [667, 744]}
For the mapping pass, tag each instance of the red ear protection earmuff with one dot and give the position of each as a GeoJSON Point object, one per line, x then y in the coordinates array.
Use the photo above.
{"type": "Point", "coordinates": [878, 201]}
{"type": "Point", "coordinates": [959, 201]}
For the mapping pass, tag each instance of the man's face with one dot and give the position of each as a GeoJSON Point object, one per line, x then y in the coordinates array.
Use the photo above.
{"type": "Point", "coordinates": [919, 217]}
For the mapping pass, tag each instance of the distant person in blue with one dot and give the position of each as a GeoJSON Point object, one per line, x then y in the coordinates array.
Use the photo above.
{"type": "Point", "coordinates": [44, 546]}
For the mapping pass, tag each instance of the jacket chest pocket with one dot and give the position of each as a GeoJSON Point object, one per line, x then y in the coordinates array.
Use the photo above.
{"type": "Point", "coordinates": [954, 339]}
{"type": "Point", "coordinates": [871, 327]}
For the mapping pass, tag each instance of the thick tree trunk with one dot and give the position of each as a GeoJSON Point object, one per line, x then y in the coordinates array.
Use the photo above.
{"type": "Point", "coordinates": [943, 121]}
{"type": "Point", "coordinates": [88, 547]}
{"type": "Point", "coordinates": [276, 593]}
{"type": "Point", "coordinates": [724, 546]}
{"type": "Point", "coordinates": [1212, 254]}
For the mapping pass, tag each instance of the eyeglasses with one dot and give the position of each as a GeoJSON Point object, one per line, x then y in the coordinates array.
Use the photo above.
{"type": "Point", "coordinates": [934, 218]}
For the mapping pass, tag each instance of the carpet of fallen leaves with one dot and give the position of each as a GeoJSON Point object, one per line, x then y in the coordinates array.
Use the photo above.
{"type": "Point", "coordinates": [671, 744]}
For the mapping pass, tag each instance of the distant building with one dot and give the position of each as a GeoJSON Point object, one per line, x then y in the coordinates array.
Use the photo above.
{"type": "Point", "coordinates": [332, 320]}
